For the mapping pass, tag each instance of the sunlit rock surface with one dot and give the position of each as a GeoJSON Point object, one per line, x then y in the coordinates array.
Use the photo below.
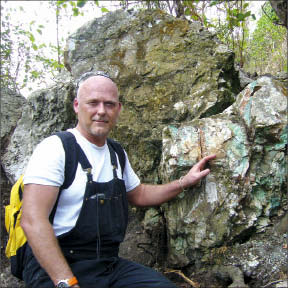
{"type": "Point", "coordinates": [45, 112]}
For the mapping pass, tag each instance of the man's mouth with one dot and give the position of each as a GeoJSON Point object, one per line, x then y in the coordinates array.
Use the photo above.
{"type": "Point", "coordinates": [100, 120]}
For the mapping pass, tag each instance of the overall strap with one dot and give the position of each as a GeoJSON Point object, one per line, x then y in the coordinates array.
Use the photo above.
{"type": "Point", "coordinates": [120, 152]}
{"type": "Point", "coordinates": [113, 160]}
{"type": "Point", "coordinates": [84, 162]}
{"type": "Point", "coordinates": [73, 155]}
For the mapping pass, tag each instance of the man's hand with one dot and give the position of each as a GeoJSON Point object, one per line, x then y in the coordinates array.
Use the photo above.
{"type": "Point", "coordinates": [196, 173]}
{"type": "Point", "coordinates": [151, 195]}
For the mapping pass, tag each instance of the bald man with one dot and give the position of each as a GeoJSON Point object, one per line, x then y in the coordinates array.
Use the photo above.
{"type": "Point", "coordinates": [80, 248]}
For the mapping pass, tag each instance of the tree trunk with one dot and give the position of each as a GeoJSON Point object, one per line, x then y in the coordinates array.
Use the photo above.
{"type": "Point", "coordinates": [179, 8]}
{"type": "Point", "coordinates": [281, 9]}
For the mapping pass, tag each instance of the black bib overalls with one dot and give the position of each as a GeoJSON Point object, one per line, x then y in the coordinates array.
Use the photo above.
{"type": "Point", "coordinates": [91, 247]}
{"type": "Point", "coordinates": [102, 222]}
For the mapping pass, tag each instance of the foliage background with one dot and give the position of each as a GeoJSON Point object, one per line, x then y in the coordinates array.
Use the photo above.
{"type": "Point", "coordinates": [31, 59]}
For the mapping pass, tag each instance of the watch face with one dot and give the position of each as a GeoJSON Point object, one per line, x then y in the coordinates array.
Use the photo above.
{"type": "Point", "coordinates": [62, 285]}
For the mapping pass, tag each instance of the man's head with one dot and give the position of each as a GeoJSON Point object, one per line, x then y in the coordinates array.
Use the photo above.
{"type": "Point", "coordinates": [97, 106]}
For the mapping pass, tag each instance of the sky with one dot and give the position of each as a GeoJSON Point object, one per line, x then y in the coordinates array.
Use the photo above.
{"type": "Point", "coordinates": [38, 11]}
{"type": "Point", "coordinates": [41, 14]}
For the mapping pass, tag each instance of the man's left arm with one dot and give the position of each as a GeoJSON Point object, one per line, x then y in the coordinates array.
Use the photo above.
{"type": "Point", "coordinates": [152, 195]}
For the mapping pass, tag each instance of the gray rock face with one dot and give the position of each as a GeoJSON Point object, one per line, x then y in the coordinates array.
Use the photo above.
{"type": "Point", "coordinates": [181, 98]}
{"type": "Point", "coordinates": [246, 185]}
{"type": "Point", "coordinates": [11, 111]}
{"type": "Point", "coordinates": [46, 111]}
{"type": "Point", "coordinates": [168, 70]}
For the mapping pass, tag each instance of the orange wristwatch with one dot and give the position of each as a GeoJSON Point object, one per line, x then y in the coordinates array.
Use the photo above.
{"type": "Point", "coordinates": [66, 283]}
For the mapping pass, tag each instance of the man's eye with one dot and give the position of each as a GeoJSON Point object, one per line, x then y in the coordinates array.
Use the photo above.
{"type": "Point", "coordinates": [110, 104]}
{"type": "Point", "coordinates": [92, 103]}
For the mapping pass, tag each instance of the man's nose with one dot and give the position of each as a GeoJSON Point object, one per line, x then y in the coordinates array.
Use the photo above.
{"type": "Point", "coordinates": [101, 108]}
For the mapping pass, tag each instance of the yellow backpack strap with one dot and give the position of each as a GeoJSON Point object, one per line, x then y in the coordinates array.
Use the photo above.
{"type": "Point", "coordinates": [13, 213]}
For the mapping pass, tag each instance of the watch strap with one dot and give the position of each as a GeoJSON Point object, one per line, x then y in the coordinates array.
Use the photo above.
{"type": "Point", "coordinates": [72, 281]}
{"type": "Point", "coordinates": [69, 282]}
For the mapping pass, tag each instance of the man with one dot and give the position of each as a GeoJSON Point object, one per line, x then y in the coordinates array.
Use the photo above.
{"type": "Point", "coordinates": [80, 248]}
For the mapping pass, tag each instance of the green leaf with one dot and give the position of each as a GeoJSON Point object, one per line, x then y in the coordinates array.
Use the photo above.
{"type": "Point", "coordinates": [245, 5]}
{"type": "Point", "coordinates": [60, 3]}
{"type": "Point", "coordinates": [35, 74]}
{"type": "Point", "coordinates": [194, 17]}
{"type": "Point", "coordinates": [214, 2]}
{"type": "Point", "coordinates": [75, 11]}
{"type": "Point", "coordinates": [43, 45]}
{"type": "Point", "coordinates": [39, 31]}
{"type": "Point", "coordinates": [31, 37]}
{"type": "Point", "coordinates": [235, 12]}
{"type": "Point", "coordinates": [240, 17]}
{"type": "Point", "coordinates": [34, 46]}
{"type": "Point", "coordinates": [104, 10]}
{"type": "Point", "coordinates": [247, 14]}
{"type": "Point", "coordinates": [81, 3]}
{"type": "Point", "coordinates": [96, 2]}
{"type": "Point", "coordinates": [187, 11]}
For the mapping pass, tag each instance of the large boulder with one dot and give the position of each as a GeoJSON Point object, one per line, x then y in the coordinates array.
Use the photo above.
{"type": "Point", "coordinates": [168, 70]}
{"type": "Point", "coordinates": [246, 186]}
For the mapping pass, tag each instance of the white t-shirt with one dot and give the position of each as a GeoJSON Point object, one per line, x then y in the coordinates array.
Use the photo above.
{"type": "Point", "coordinates": [46, 166]}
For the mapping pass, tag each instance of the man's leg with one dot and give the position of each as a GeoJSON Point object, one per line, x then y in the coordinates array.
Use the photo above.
{"type": "Point", "coordinates": [34, 277]}
{"type": "Point", "coordinates": [128, 274]}
{"type": "Point", "coordinates": [90, 273]}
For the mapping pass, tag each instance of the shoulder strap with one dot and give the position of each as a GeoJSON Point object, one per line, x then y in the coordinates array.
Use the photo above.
{"type": "Point", "coordinates": [120, 152]}
{"type": "Point", "coordinates": [73, 155]}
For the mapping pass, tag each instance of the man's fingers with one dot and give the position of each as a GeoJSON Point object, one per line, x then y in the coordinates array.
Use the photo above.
{"type": "Point", "coordinates": [204, 160]}
{"type": "Point", "coordinates": [209, 157]}
{"type": "Point", "coordinates": [204, 173]}
{"type": "Point", "coordinates": [200, 175]}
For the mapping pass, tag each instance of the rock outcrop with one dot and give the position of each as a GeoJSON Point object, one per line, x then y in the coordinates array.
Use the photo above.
{"type": "Point", "coordinates": [247, 181]}
{"type": "Point", "coordinates": [168, 70]}
{"type": "Point", "coordinates": [11, 110]}
{"type": "Point", "coordinates": [45, 112]}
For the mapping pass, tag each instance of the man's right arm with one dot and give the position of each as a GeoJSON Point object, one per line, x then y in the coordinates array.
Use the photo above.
{"type": "Point", "coordinates": [38, 201]}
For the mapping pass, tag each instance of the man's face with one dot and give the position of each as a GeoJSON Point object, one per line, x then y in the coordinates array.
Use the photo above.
{"type": "Point", "coordinates": [98, 108]}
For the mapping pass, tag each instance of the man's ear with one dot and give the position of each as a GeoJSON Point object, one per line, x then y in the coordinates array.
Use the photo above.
{"type": "Point", "coordinates": [75, 105]}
